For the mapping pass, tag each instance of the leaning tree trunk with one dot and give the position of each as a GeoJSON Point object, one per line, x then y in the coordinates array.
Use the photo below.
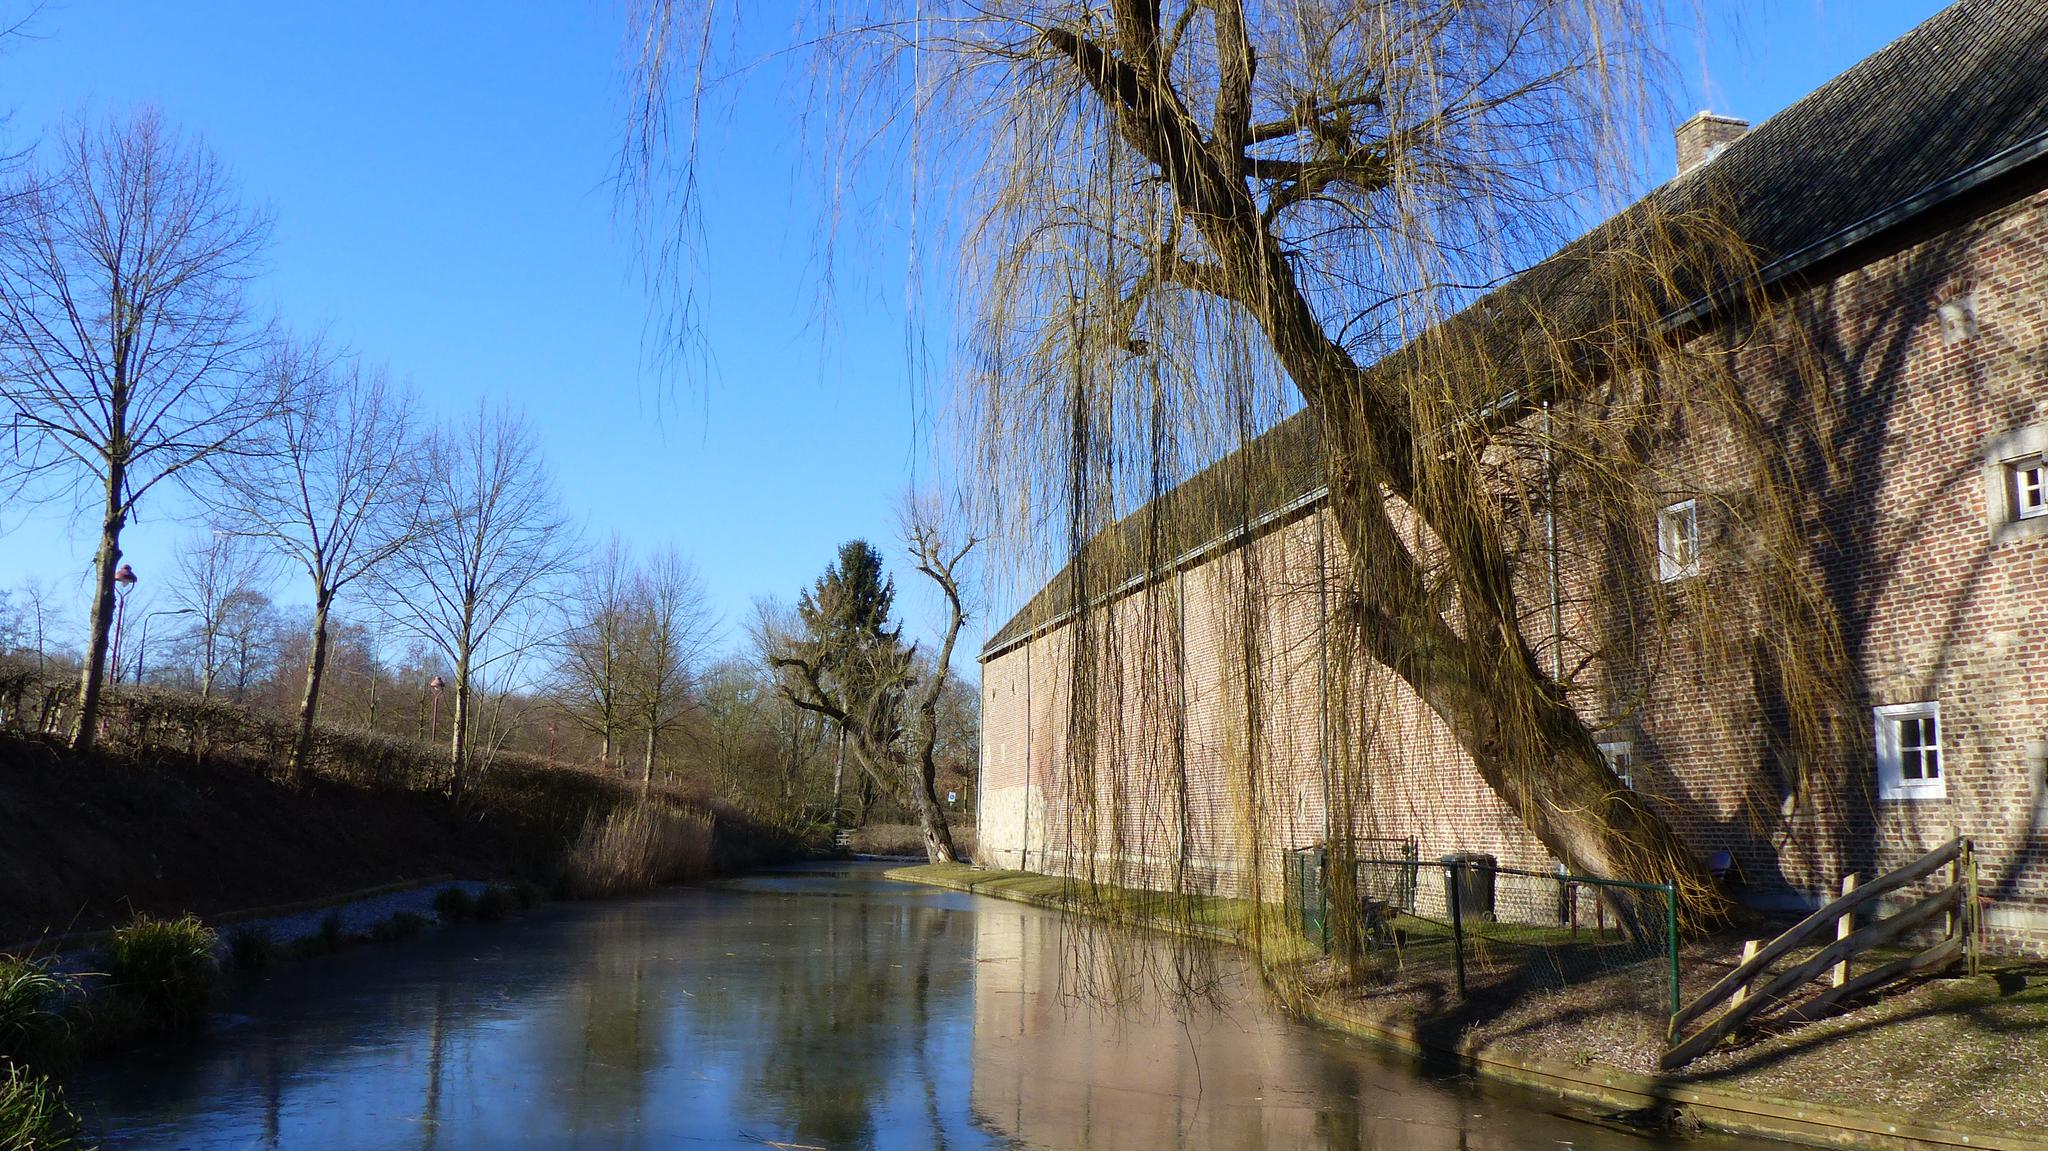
{"type": "Point", "coordinates": [1530, 747]}
{"type": "Point", "coordinates": [316, 666]}
{"type": "Point", "coordinates": [931, 818]}
{"type": "Point", "coordinates": [85, 724]}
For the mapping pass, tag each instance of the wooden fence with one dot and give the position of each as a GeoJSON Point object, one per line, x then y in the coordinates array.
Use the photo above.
{"type": "Point", "coordinates": [1750, 991]}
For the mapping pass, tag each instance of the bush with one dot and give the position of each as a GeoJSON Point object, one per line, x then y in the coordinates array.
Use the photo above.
{"type": "Point", "coordinates": [32, 1026]}
{"type": "Point", "coordinates": [165, 968]}
{"type": "Point", "coordinates": [453, 904]}
{"type": "Point", "coordinates": [492, 904]}
{"type": "Point", "coordinates": [251, 950]}
{"type": "Point", "coordinates": [32, 1113]}
{"type": "Point", "coordinates": [401, 925]}
{"type": "Point", "coordinates": [637, 846]}
{"type": "Point", "coordinates": [331, 938]}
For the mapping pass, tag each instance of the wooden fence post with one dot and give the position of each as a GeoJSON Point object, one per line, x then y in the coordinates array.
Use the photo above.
{"type": "Point", "coordinates": [1973, 923]}
{"type": "Point", "coordinates": [1749, 947]}
{"type": "Point", "coordinates": [1843, 926]}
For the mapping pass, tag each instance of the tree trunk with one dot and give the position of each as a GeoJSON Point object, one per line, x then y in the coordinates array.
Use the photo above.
{"type": "Point", "coordinates": [458, 727]}
{"type": "Point", "coordinates": [838, 777]}
{"type": "Point", "coordinates": [316, 666]}
{"type": "Point", "coordinates": [85, 724]}
{"type": "Point", "coordinates": [647, 769]}
{"type": "Point", "coordinates": [938, 838]}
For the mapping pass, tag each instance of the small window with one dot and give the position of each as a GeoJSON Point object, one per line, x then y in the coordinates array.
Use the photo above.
{"type": "Point", "coordinates": [1678, 541]}
{"type": "Point", "coordinates": [2028, 484]}
{"type": "Point", "coordinates": [1621, 760]}
{"type": "Point", "coordinates": [1909, 755]}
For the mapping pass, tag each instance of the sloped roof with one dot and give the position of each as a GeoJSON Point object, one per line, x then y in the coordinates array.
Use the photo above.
{"type": "Point", "coordinates": [1959, 100]}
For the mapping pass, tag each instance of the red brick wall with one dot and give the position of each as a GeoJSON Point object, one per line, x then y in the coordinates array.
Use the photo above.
{"type": "Point", "coordinates": [1885, 424]}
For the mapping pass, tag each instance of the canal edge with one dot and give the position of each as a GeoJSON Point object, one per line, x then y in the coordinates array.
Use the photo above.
{"type": "Point", "coordinates": [1729, 1112]}
{"type": "Point", "coordinates": [77, 940]}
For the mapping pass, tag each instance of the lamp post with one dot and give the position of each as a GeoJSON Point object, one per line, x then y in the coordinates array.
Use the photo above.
{"type": "Point", "coordinates": [124, 582]}
{"type": "Point", "coordinates": [142, 640]}
{"type": "Point", "coordinates": [434, 685]}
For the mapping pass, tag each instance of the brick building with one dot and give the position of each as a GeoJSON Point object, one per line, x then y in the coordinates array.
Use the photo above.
{"type": "Point", "coordinates": [1901, 216]}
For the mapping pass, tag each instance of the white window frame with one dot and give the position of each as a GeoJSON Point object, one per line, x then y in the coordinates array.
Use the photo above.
{"type": "Point", "coordinates": [1671, 567]}
{"type": "Point", "coordinates": [2026, 486]}
{"type": "Point", "coordinates": [1620, 755]}
{"type": "Point", "coordinates": [1891, 780]}
{"type": "Point", "coordinates": [2006, 459]}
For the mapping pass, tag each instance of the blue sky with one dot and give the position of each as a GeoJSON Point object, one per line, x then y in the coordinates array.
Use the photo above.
{"type": "Point", "coordinates": [439, 179]}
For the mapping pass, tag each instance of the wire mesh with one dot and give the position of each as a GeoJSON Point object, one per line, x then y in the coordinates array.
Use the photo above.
{"type": "Point", "coordinates": [1499, 928]}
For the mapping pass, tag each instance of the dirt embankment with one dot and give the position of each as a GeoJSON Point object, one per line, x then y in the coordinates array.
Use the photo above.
{"type": "Point", "coordinates": [90, 840]}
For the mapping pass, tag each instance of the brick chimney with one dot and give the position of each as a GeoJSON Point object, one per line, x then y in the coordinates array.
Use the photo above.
{"type": "Point", "coordinates": [1701, 138]}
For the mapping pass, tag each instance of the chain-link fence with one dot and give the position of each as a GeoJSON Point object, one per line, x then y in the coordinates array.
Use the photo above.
{"type": "Point", "coordinates": [1491, 926]}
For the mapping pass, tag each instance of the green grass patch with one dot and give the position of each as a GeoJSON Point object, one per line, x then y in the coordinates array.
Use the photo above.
{"type": "Point", "coordinates": [252, 950]}
{"type": "Point", "coordinates": [164, 969]}
{"type": "Point", "coordinates": [492, 905]}
{"type": "Point", "coordinates": [454, 904]}
{"type": "Point", "coordinates": [33, 1116]}
{"type": "Point", "coordinates": [33, 1030]}
{"type": "Point", "coordinates": [1215, 916]}
{"type": "Point", "coordinates": [401, 925]}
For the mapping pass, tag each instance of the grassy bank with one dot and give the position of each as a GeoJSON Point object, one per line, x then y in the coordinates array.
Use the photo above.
{"type": "Point", "coordinates": [184, 808]}
{"type": "Point", "coordinates": [1949, 1062]}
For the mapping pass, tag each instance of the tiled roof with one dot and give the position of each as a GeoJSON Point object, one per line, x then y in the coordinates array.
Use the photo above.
{"type": "Point", "coordinates": [1962, 96]}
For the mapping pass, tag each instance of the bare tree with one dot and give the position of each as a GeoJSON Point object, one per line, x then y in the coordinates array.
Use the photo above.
{"type": "Point", "coordinates": [127, 352]}
{"type": "Point", "coordinates": [470, 586]}
{"type": "Point", "coordinates": [589, 680]}
{"type": "Point", "coordinates": [249, 633]}
{"type": "Point", "coordinates": [214, 572]}
{"type": "Point", "coordinates": [802, 735]}
{"type": "Point", "coordinates": [869, 706]}
{"type": "Point", "coordinates": [337, 492]}
{"type": "Point", "coordinates": [670, 626]}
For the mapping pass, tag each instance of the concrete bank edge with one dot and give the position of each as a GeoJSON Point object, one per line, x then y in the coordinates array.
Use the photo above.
{"type": "Point", "coordinates": [1720, 1109]}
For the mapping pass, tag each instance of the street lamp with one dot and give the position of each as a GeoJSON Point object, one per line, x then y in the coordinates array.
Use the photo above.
{"type": "Point", "coordinates": [124, 582]}
{"type": "Point", "coordinates": [434, 685]}
{"type": "Point", "coordinates": [142, 641]}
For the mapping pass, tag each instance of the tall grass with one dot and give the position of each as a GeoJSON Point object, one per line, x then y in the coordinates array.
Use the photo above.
{"type": "Point", "coordinates": [165, 969]}
{"type": "Point", "coordinates": [33, 1030]}
{"type": "Point", "coordinates": [32, 1113]}
{"type": "Point", "coordinates": [639, 845]}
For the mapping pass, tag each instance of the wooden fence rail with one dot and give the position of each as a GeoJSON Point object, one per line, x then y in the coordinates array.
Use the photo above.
{"type": "Point", "coordinates": [1744, 999]}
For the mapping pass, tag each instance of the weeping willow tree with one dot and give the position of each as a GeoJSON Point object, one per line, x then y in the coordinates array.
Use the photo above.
{"type": "Point", "coordinates": [1217, 260]}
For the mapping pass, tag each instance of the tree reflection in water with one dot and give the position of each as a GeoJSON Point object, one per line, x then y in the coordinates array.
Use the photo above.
{"type": "Point", "coordinates": [826, 1008]}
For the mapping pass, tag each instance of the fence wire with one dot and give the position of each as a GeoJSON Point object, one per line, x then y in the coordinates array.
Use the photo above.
{"type": "Point", "coordinates": [1499, 928]}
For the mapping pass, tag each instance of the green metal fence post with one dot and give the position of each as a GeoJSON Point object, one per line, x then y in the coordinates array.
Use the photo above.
{"type": "Point", "coordinates": [1451, 885]}
{"type": "Point", "coordinates": [1671, 940]}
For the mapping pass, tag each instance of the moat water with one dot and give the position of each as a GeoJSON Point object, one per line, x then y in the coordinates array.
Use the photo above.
{"type": "Point", "coordinates": [818, 1008]}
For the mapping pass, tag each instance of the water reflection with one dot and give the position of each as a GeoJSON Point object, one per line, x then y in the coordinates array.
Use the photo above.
{"type": "Point", "coordinates": [826, 1008]}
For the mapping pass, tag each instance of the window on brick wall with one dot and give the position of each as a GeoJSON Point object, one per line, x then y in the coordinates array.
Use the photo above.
{"type": "Point", "coordinates": [2027, 487]}
{"type": "Point", "coordinates": [1678, 541]}
{"type": "Point", "coordinates": [1621, 760]}
{"type": "Point", "coordinates": [2016, 484]}
{"type": "Point", "coordinates": [1910, 764]}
